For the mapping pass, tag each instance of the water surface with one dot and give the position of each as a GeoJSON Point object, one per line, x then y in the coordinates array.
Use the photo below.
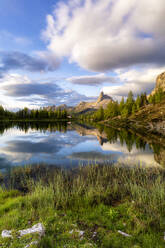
{"type": "Point", "coordinates": [72, 144]}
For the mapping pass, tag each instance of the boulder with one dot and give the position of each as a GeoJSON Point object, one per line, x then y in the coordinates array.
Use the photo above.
{"type": "Point", "coordinates": [6, 234]}
{"type": "Point", "coordinates": [38, 228]}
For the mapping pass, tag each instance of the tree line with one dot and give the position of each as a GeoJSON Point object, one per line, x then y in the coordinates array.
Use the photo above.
{"type": "Point", "coordinates": [125, 108]}
{"type": "Point", "coordinates": [26, 113]}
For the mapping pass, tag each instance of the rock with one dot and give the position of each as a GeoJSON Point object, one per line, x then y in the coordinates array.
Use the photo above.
{"type": "Point", "coordinates": [6, 234]}
{"type": "Point", "coordinates": [124, 234]}
{"type": "Point", "coordinates": [102, 97]}
{"type": "Point", "coordinates": [102, 101]}
{"type": "Point", "coordinates": [160, 83]}
{"type": "Point", "coordinates": [38, 228]}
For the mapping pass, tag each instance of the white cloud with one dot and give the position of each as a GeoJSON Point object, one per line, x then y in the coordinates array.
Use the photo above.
{"type": "Point", "coordinates": [106, 34]}
{"type": "Point", "coordinates": [131, 158]}
{"type": "Point", "coordinates": [136, 80]}
{"type": "Point", "coordinates": [17, 91]}
{"type": "Point", "coordinates": [43, 62]}
{"type": "Point", "coordinates": [52, 60]}
{"type": "Point", "coordinates": [92, 80]}
{"type": "Point", "coordinates": [13, 78]}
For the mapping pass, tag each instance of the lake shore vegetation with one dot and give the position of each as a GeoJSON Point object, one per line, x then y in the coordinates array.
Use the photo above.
{"type": "Point", "coordinates": [86, 206]}
{"type": "Point", "coordinates": [33, 114]}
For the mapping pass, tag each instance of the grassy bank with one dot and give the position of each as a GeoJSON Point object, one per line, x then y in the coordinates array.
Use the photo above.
{"type": "Point", "coordinates": [98, 200]}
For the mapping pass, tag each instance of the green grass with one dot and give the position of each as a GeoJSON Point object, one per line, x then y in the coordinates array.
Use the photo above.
{"type": "Point", "coordinates": [99, 200]}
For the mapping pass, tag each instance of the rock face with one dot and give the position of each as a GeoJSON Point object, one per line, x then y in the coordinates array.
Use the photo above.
{"type": "Point", "coordinates": [160, 83]}
{"type": "Point", "coordinates": [103, 97]}
{"type": "Point", "coordinates": [102, 101]}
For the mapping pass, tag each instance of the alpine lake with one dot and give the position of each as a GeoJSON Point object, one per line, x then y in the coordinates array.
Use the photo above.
{"type": "Point", "coordinates": [72, 144]}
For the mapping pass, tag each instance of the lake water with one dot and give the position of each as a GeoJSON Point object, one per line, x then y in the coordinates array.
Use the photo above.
{"type": "Point", "coordinates": [71, 145]}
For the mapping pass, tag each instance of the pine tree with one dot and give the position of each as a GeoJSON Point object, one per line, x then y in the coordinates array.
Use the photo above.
{"type": "Point", "coordinates": [129, 103]}
{"type": "Point", "coordinates": [138, 102]}
{"type": "Point", "coordinates": [121, 105]}
{"type": "Point", "coordinates": [2, 112]}
{"type": "Point", "coordinates": [134, 108]}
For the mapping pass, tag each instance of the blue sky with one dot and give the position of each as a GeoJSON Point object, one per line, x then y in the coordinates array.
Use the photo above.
{"type": "Point", "coordinates": [55, 52]}
{"type": "Point", "coordinates": [25, 18]}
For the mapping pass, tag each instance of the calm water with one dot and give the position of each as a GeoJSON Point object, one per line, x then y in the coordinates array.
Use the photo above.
{"type": "Point", "coordinates": [71, 145]}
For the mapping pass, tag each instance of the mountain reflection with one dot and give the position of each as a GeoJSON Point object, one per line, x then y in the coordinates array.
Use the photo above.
{"type": "Point", "coordinates": [70, 145]}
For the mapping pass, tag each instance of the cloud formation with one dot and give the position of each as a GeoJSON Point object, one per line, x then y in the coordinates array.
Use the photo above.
{"type": "Point", "coordinates": [92, 80]}
{"type": "Point", "coordinates": [24, 90]}
{"type": "Point", "coordinates": [136, 80]}
{"type": "Point", "coordinates": [22, 147]}
{"type": "Point", "coordinates": [21, 61]}
{"type": "Point", "coordinates": [102, 35]}
{"type": "Point", "coordinates": [32, 93]}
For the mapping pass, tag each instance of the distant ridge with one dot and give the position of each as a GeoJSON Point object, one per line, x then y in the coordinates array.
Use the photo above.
{"type": "Point", "coordinates": [84, 107]}
{"type": "Point", "coordinates": [61, 107]}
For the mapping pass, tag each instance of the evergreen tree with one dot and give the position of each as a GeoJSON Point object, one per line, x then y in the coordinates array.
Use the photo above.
{"type": "Point", "coordinates": [121, 105]}
{"type": "Point", "coordinates": [2, 112]}
{"type": "Point", "coordinates": [134, 108]}
{"type": "Point", "coordinates": [100, 114]}
{"type": "Point", "coordinates": [138, 102]}
{"type": "Point", "coordinates": [125, 112]}
{"type": "Point", "coordinates": [129, 103]}
{"type": "Point", "coordinates": [159, 95]}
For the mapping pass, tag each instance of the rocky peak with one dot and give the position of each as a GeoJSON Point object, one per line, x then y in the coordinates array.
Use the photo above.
{"type": "Point", "coordinates": [160, 83]}
{"type": "Point", "coordinates": [102, 97]}
{"type": "Point", "coordinates": [81, 103]}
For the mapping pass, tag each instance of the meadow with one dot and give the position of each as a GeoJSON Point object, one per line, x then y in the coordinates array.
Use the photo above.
{"type": "Point", "coordinates": [84, 207]}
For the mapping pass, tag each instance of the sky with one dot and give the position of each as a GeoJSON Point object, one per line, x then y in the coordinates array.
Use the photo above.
{"type": "Point", "coordinates": [55, 52]}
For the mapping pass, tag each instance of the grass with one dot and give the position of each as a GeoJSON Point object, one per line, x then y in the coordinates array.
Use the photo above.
{"type": "Point", "coordinates": [98, 200]}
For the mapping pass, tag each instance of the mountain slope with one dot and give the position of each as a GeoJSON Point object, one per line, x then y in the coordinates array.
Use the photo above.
{"type": "Point", "coordinates": [151, 116]}
{"type": "Point", "coordinates": [84, 107]}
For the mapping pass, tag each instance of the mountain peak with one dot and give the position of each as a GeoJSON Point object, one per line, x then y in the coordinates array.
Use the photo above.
{"type": "Point", "coordinates": [103, 96]}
